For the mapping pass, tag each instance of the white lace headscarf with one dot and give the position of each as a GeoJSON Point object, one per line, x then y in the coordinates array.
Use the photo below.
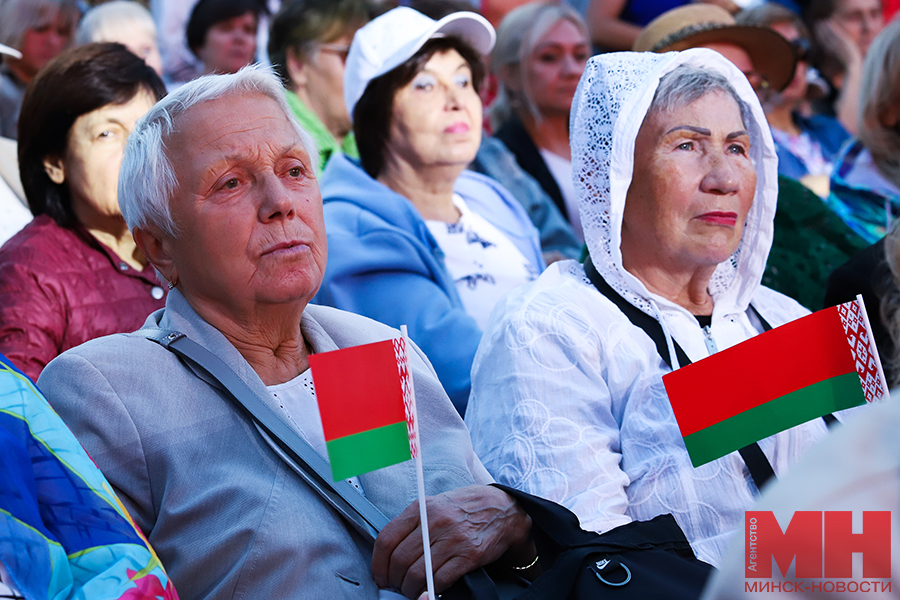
{"type": "Point", "coordinates": [610, 104]}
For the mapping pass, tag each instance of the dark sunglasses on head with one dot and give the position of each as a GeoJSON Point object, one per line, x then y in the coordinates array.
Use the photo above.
{"type": "Point", "coordinates": [801, 47]}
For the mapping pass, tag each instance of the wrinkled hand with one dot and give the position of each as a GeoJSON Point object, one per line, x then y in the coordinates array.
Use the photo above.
{"type": "Point", "coordinates": [470, 527]}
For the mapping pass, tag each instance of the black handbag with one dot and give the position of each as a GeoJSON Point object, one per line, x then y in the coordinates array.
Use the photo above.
{"type": "Point", "coordinates": [640, 560]}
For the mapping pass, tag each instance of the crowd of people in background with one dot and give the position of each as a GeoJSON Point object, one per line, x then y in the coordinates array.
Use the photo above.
{"type": "Point", "coordinates": [513, 181]}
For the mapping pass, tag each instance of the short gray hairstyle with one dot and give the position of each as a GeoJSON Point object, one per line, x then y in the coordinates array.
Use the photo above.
{"type": "Point", "coordinates": [518, 34]}
{"type": "Point", "coordinates": [17, 16]}
{"type": "Point", "coordinates": [147, 178]}
{"type": "Point", "coordinates": [685, 85]}
{"type": "Point", "coordinates": [103, 22]}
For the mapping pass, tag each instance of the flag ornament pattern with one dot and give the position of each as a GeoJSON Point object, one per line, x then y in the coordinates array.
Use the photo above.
{"type": "Point", "coordinates": [863, 351]}
{"type": "Point", "coordinates": [364, 395]}
{"type": "Point", "coordinates": [406, 385]}
{"type": "Point", "coordinates": [819, 364]}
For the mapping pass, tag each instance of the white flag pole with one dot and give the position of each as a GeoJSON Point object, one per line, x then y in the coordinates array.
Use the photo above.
{"type": "Point", "coordinates": [420, 477]}
{"type": "Point", "coordinates": [872, 347]}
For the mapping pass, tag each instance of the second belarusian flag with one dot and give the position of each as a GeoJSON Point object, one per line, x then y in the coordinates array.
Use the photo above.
{"type": "Point", "coordinates": [816, 365]}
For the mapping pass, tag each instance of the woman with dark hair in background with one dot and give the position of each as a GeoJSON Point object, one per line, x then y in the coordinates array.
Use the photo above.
{"type": "Point", "coordinates": [74, 273]}
{"type": "Point", "coordinates": [222, 33]}
{"type": "Point", "coordinates": [39, 30]}
{"type": "Point", "coordinates": [414, 238]}
{"type": "Point", "coordinates": [308, 46]}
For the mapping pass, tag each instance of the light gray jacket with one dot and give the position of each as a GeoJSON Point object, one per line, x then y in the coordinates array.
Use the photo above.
{"type": "Point", "coordinates": [227, 517]}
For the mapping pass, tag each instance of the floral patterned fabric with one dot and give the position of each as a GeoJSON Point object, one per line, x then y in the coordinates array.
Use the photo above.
{"type": "Point", "coordinates": [63, 532]}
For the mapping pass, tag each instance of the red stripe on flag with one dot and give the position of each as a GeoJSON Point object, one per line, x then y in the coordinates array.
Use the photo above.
{"type": "Point", "coordinates": [765, 367]}
{"type": "Point", "coordinates": [358, 389]}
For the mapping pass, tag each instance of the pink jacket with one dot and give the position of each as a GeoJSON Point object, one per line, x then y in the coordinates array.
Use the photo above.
{"type": "Point", "coordinates": [60, 287]}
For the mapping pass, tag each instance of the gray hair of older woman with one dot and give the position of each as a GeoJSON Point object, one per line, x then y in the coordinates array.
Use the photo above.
{"type": "Point", "coordinates": [147, 179]}
{"type": "Point", "coordinates": [684, 85]}
{"type": "Point", "coordinates": [18, 16]}
{"type": "Point", "coordinates": [101, 23]}
{"type": "Point", "coordinates": [517, 36]}
{"type": "Point", "coordinates": [879, 92]}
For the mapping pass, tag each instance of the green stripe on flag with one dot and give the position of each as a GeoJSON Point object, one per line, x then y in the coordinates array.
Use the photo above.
{"type": "Point", "coordinates": [805, 404]}
{"type": "Point", "coordinates": [368, 450]}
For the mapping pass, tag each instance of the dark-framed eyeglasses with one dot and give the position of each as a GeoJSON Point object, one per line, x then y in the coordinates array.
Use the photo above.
{"type": "Point", "coordinates": [342, 50]}
{"type": "Point", "coordinates": [802, 48]}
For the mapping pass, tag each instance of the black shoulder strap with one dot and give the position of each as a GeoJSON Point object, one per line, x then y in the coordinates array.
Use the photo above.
{"type": "Point", "coordinates": [760, 469]}
{"type": "Point", "coordinates": [637, 317]}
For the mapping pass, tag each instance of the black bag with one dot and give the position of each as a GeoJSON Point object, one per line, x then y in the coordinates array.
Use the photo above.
{"type": "Point", "coordinates": [640, 560]}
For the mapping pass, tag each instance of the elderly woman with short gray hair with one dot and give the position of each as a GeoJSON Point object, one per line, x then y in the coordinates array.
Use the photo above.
{"type": "Point", "coordinates": [125, 22]}
{"type": "Point", "coordinates": [39, 30]}
{"type": "Point", "coordinates": [218, 187]}
{"type": "Point", "coordinates": [677, 180]}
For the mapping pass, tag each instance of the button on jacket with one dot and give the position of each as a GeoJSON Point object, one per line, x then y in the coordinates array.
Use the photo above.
{"type": "Point", "coordinates": [60, 287]}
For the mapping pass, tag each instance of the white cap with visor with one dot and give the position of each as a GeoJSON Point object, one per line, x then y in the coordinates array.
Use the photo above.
{"type": "Point", "coordinates": [390, 40]}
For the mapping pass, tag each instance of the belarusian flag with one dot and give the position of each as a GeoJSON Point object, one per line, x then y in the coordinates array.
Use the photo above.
{"type": "Point", "coordinates": [822, 363]}
{"type": "Point", "coordinates": [364, 396]}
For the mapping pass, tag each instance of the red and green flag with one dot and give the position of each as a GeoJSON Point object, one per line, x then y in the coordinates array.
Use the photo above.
{"type": "Point", "coordinates": [822, 363]}
{"type": "Point", "coordinates": [364, 395]}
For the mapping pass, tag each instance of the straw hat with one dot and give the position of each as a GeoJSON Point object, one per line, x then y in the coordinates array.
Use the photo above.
{"type": "Point", "coordinates": [694, 25]}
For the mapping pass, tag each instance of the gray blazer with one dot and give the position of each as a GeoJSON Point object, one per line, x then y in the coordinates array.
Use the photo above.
{"type": "Point", "coordinates": [227, 517]}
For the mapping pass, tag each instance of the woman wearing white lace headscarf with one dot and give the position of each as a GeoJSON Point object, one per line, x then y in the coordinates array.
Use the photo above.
{"type": "Point", "coordinates": [677, 178]}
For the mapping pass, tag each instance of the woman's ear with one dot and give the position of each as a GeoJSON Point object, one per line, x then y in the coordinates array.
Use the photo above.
{"type": "Point", "coordinates": [296, 69]}
{"type": "Point", "coordinates": [55, 170]}
{"type": "Point", "coordinates": [155, 246]}
{"type": "Point", "coordinates": [511, 76]}
{"type": "Point", "coordinates": [890, 116]}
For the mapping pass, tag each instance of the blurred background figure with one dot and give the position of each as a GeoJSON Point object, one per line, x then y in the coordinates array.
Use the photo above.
{"type": "Point", "coordinates": [843, 30]}
{"type": "Point", "coordinates": [222, 33]}
{"type": "Point", "coordinates": [865, 183]}
{"type": "Point", "coordinates": [14, 213]}
{"type": "Point", "coordinates": [615, 24]}
{"type": "Point", "coordinates": [866, 193]}
{"type": "Point", "coordinates": [763, 55]}
{"type": "Point", "coordinates": [807, 144]}
{"type": "Point", "coordinates": [539, 57]}
{"type": "Point", "coordinates": [39, 30]}
{"type": "Point", "coordinates": [308, 46]}
{"type": "Point", "coordinates": [413, 236]}
{"type": "Point", "coordinates": [74, 273]}
{"type": "Point", "coordinates": [125, 22]}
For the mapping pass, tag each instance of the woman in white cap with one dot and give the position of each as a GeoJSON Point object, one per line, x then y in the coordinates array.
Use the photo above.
{"type": "Point", "coordinates": [413, 237]}
{"type": "Point", "coordinates": [676, 173]}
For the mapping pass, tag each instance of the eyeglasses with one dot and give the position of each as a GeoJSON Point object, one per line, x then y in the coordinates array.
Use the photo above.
{"type": "Point", "coordinates": [342, 50]}
{"type": "Point", "coordinates": [801, 47]}
{"type": "Point", "coordinates": [758, 81]}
